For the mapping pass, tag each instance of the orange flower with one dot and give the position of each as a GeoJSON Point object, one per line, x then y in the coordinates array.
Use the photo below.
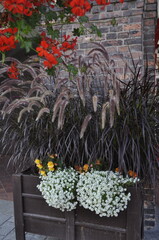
{"type": "Point", "coordinates": [86, 167]}
{"type": "Point", "coordinates": [132, 173]}
{"type": "Point", "coordinates": [98, 162]}
{"type": "Point", "coordinates": [117, 170]}
{"type": "Point", "coordinates": [78, 168]}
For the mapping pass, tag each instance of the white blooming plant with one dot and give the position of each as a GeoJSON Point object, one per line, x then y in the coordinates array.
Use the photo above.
{"type": "Point", "coordinates": [104, 192]}
{"type": "Point", "coordinates": [58, 188]}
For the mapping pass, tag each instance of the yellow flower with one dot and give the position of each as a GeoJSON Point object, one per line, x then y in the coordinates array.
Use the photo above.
{"type": "Point", "coordinates": [40, 166]}
{"type": "Point", "coordinates": [85, 167]}
{"type": "Point", "coordinates": [51, 169]}
{"type": "Point", "coordinates": [43, 173]}
{"type": "Point", "coordinates": [50, 164]}
{"type": "Point", "coordinates": [37, 161]}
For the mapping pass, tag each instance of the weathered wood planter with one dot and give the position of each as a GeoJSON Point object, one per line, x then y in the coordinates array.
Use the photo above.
{"type": "Point", "coordinates": [33, 215]}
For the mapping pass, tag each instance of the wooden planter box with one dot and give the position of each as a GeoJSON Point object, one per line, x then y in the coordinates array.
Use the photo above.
{"type": "Point", "coordinates": [33, 215]}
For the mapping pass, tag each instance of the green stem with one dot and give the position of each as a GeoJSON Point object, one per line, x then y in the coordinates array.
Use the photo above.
{"type": "Point", "coordinates": [3, 57]}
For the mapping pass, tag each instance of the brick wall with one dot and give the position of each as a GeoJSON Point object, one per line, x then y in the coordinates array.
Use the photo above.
{"type": "Point", "coordinates": [128, 29]}
{"type": "Point", "coordinates": [149, 207]}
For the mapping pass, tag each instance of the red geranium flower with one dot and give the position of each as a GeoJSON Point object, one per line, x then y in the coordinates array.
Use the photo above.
{"type": "Point", "coordinates": [80, 7]}
{"type": "Point", "coordinates": [103, 2]}
{"type": "Point", "coordinates": [13, 71]}
{"type": "Point", "coordinates": [24, 7]}
{"type": "Point", "coordinates": [7, 39]}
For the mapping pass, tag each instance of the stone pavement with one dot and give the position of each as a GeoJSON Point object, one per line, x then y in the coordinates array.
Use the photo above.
{"type": "Point", "coordinates": [7, 225]}
{"type": "Point", "coordinates": [153, 234]}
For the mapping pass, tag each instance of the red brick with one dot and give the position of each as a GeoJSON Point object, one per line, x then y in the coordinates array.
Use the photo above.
{"type": "Point", "coordinates": [123, 49]}
{"type": "Point", "coordinates": [132, 27]}
{"type": "Point", "coordinates": [151, 1]}
{"type": "Point", "coordinates": [149, 22]}
{"type": "Point", "coordinates": [150, 14]}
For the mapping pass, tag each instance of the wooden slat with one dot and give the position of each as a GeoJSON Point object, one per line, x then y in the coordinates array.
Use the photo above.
{"type": "Point", "coordinates": [40, 207]}
{"type": "Point", "coordinates": [18, 207]}
{"type": "Point", "coordinates": [100, 227]}
{"type": "Point", "coordinates": [70, 225]}
{"type": "Point", "coordinates": [32, 196]}
{"type": "Point", "coordinates": [135, 215]}
{"type": "Point", "coordinates": [54, 219]}
{"type": "Point", "coordinates": [45, 227]}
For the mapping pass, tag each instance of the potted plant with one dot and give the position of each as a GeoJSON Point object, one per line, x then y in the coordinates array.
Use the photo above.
{"type": "Point", "coordinates": [101, 144]}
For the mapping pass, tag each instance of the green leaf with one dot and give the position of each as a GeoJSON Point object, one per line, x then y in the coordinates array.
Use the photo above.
{"type": "Point", "coordinates": [83, 69]}
{"type": "Point", "coordinates": [78, 31]}
{"type": "Point", "coordinates": [33, 20]}
{"type": "Point", "coordinates": [54, 33]}
{"type": "Point", "coordinates": [23, 27]}
{"type": "Point", "coordinates": [27, 45]}
{"type": "Point", "coordinates": [95, 30]}
{"type": "Point", "coordinates": [72, 69]}
{"type": "Point", "coordinates": [51, 71]}
{"type": "Point", "coordinates": [83, 19]}
{"type": "Point", "coordinates": [51, 16]}
{"type": "Point", "coordinates": [42, 9]}
{"type": "Point", "coordinates": [114, 22]}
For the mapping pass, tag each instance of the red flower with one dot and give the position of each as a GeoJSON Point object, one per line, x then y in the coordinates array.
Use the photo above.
{"type": "Point", "coordinates": [103, 2]}
{"type": "Point", "coordinates": [80, 7]}
{"type": "Point", "coordinates": [24, 7]}
{"type": "Point", "coordinates": [71, 18]}
{"type": "Point", "coordinates": [13, 71]}
{"type": "Point", "coordinates": [51, 60]}
{"type": "Point", "coordinates": [7, 39]}
{"type": "Point", "coordinates": [51, 49]}
{"type": "Point", "coordinates": [67, 45]}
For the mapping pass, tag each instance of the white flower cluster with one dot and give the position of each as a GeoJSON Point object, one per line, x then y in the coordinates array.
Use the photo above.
{"type": "Point", "coordinates": [59, 189]}
{"type": "Point", "coordinates": [104, 192]}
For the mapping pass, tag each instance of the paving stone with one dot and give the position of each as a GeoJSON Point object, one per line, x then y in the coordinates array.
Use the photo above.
{"type": "Point", "coordinates": [2, 237]}
{"type": "Point", "coordinates": [3, 218]}
{"type": "Point", "coordinates": [10, 236]}
{"type": "Point", "coordinates": [52, 238]}
{"type": "Point", "coordinates": [30, 236]}
{"type": "Point", "coordinates": [11, 219]}
{"type": "Point", "coordinates": [6, 228]}
{"type": "Point", "coordinates": [6, 207]}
